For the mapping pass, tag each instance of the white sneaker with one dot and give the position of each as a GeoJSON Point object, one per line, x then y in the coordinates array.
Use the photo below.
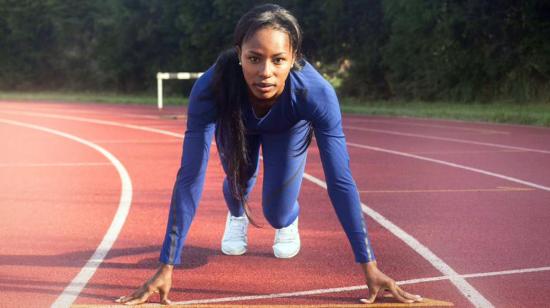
{"type": "Point", "coordinates": [234, 241]}
{"type": "Point", "coordinates": [287, 241]}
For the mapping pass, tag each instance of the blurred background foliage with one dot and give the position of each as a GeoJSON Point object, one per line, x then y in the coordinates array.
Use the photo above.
{"type": "Point", "coordinates": [429, 50]}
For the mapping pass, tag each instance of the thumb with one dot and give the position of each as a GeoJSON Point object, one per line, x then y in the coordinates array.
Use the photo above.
{"type": "Point", "coordinates": [373, 292]}
{"type": "Point", "coordinates": [164, 296]}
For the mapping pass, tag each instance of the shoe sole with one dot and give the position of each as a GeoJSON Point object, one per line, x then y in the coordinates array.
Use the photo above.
{"type": "Point", "coordinates": [232, 253]}
{"type": "Point", "coordinates": [286, 256]}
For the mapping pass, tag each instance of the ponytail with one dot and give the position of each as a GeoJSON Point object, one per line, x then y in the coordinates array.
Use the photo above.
{"type": "Point", "coordinates": [231, 94]}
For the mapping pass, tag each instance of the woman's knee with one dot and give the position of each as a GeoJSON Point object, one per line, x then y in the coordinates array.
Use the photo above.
{"type": "Point", "coordinates": [280, 216]}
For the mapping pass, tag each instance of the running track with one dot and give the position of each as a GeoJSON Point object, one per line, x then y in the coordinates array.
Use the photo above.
{"type": "Point", "coordinates": [457, 211]}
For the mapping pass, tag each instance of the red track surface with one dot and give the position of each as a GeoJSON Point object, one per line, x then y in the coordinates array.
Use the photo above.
{"type": "Point", "coordinates": [58, 197]}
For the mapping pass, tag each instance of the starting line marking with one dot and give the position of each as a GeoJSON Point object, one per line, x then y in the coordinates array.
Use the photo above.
{"type": "Point", "coordinates": [206, 302]}
{"type": "Point", "coordinates": [427, 302]}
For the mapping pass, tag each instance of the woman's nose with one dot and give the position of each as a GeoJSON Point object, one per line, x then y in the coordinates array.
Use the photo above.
{"type": "Point", "coordinates": [265, 69]}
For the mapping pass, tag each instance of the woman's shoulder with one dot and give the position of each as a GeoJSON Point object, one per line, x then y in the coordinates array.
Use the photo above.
{"type": "Point", "coordinates": [310, 86]}
{"type": "Point", "coordinates": [202, 86]}
{"type": "Point", "coordinates": [201, 98]}
{"type": "Point", "coordinates": [309, 80]}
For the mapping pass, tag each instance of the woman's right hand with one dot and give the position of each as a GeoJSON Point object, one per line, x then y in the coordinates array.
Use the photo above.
{"type": "Point", "coordinates": [378, 282]}
{"type": "Point", "coordinates": [160, 283]}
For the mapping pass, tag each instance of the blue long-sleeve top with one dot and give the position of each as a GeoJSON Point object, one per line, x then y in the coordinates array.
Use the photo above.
{"type": "Point", "coordinates": [307, 97]}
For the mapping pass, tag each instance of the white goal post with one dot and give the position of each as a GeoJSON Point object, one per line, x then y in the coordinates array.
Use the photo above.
{"type": "Point", "coordinates": [162, 76]}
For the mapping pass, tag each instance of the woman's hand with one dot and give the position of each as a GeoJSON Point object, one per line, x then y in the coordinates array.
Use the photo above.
{"type": "Point", "coordinates": [160, 283]}
{"type": "Point", "coordinates": [378, 282]}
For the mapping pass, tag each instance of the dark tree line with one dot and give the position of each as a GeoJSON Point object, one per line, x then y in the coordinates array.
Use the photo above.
{"type": "Point", "coordinates": [468, 50]}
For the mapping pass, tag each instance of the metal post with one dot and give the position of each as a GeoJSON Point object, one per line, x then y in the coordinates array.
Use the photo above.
{"type": "Point", "coordinates": [159, 90]}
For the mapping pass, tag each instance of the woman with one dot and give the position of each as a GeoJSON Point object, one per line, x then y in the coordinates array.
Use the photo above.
{"type": "Point", "coordinates": [263, 93]}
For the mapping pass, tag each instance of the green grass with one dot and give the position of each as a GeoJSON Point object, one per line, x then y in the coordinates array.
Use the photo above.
{"type": "Point", "coordinates": [500, 112]}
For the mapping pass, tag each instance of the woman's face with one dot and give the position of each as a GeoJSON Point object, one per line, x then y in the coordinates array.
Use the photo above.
{"type": "Point", "coordinates": [266, 58]}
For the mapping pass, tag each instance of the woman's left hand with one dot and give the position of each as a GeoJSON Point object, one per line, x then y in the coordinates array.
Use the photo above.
{"type": "Point", "coordinates": [378, 282]}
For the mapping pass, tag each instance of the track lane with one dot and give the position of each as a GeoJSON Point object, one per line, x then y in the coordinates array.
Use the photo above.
{"type": "Point", "coordinates": [324, 194]}
{"type": "Point", "coordinates": [44, 211]}
{"type": "Point", "coordinates": [502, 134]}
{"type": "Point", "coordinates": [310, 161]}
{"type": "Point", "coordinates": [500, 229]}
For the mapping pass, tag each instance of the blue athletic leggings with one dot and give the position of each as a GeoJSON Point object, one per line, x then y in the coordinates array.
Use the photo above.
{"type": "Point", "coordinates": [284, 159]}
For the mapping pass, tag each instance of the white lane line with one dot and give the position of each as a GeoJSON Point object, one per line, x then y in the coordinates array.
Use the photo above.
{"type": "Point", "coordinates": [135, 141]}
{"type": "Point", "coordinates": [462, 285]}
{"type": "Point", "coordinates": [71, 292]}
{"type": "Point", "coordinates": [108, 112]}
{"type": "Point", "coordinates": [412, 191]}
{"type": "Point", "coordinates": [485, 123]}
{"type": "Point", "coordinates": [358, 287]}
{"type": "Point", "coordinates": [96, 121]}
{"type": "Point", "coordinates": [446, 163]}
{"type": "Point", "coordinates": [477, 130]}
{"type": "Point", "coordinates": [397, 133]}
{"type": "Point", "coordinates": [443, 152]}
{"type": "Point", "coordinates": [32, 165]}
{"type": "Point", "coordinates": [467, 290]}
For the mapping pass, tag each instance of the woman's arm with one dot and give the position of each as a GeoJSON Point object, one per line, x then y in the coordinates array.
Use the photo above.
{"type": "Point", "coordinates": [188, 188]}
{"type": "Point", "coordinates": [186, 193]}
{"type": "Point", "coordinates": [327, 122]}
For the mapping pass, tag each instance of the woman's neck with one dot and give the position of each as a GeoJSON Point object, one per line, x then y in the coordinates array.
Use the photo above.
{"type": "Point", "coordinates": [261, 108]}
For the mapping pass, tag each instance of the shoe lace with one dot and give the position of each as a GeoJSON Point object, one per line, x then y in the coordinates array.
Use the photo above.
{"type": "Point", "coordinates": [286, 235]}
{"type": "Point", "coordinates": [237, 228]}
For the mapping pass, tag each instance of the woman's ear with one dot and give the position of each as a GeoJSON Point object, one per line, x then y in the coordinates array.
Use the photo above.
{"type": "Point", "coordinates": [239, 53]}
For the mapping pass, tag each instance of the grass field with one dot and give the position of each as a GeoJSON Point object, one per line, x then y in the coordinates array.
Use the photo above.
{"type": "Point", "coordinates": [499, 112]}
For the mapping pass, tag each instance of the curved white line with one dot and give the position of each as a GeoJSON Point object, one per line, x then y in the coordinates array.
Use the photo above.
{"type": "Point", "coordinates": [71, 292]}
{"type": "Point", "coordinates": [397, 133]}
{"type": "Point", "coordinates": [464, 287]}
{"type": "Point", "coordinates": [168, 133]}
{"type": "Point", "coordinates": [96, 121]}
{"type": "Point", "coordinates": [34, 165]}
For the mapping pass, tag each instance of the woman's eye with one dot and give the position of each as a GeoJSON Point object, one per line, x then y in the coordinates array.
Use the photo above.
{"type": "Point", "coordinates": [253, 59]}
{"type": "Point", "coordinates": [279, 60]}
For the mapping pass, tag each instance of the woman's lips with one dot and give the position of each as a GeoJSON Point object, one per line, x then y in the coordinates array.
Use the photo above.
{"type": "Point", "coordinates": [264, 87]}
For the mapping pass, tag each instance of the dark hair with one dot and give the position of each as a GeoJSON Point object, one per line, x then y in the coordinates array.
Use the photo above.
{"type": "Point", "coordinates": [270, 16]}
{"type": "Point", "coordinates": [231, 92]}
